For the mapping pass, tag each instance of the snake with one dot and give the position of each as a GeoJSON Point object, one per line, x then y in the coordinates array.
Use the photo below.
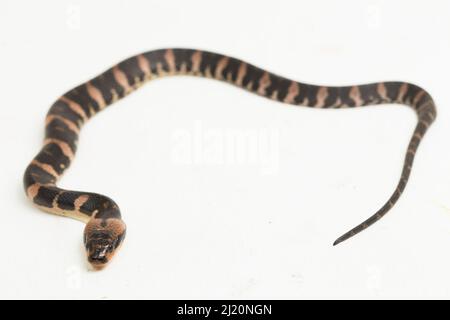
{"type": "Point", "coordinates": [105, 230]}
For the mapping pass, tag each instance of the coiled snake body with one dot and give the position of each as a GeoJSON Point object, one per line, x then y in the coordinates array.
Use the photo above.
{"type": "Point", "coordinates": [105, 230]}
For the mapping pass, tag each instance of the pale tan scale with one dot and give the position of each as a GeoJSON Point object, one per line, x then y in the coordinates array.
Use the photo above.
{"type": "Point", "coordinates": [264, 83]}
{"type": "Point", "coordinates": [382, 92]}
{"type": "Point", "coordinates": [55, 203]}
{"type": "Point", "coordinates": [75, 107]}
{"type": "Point", "coordinates": [183, 68]}
{"type": "Point", "coordinates": [418, 96]}
{"type": "Point", "coordinates": [46, 167]}
{"type": "Point", "coordinates": [137, 83]}
{"type": "Point", "coordinates": [74, 214]}
{"type": "Point", "coordinates": [96, 95]}
{"type": "Point", "coordinates": [60, 129]}
{"type": "Point", "coordinates": [144, 65]}
{"type": "Point", "coordinates": [241, 73]}
{"type": "Point", "coordinates": [92, 110]}
{"type": "Point", "coordinates": [424, 107]}
{"type": "Point", "coordinates": [80, 201]}
{"type": "Point", "coordinates": [122, 79]}
{"type": "Point", "coordinates": [196, 60]}
{"type": "Point", "coordinates": [160, 70]}
{"type": "Point", "coordinates": [115, 95]}
{"type": "Point", "coordinates": [355, 95]}
{"type": "Point", "coordinates": [170, 59]}
{"type": "Point", "coordinates": [425, 123]}
{"type": "Point", "coordinates": [322, 95]}
{"type": "Point", "coordinates": [274, 95]}
{"type": "Point", "coordinates": [221, 65]}
{"type": "Point", "coordinates": [33, 190]}
{"type": "Point", "coordinates": [338, 102]}
{"type": "Point", "coordinates": [72, 126]}
{"type": "Point", "coordinates": [293, 91]}
{"type": "Point", "coordinates": [208, 73]}
{"type": "Point", "coordinates": [402, 92]}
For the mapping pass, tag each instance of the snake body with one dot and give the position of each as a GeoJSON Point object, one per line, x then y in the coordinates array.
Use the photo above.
{"type": "Point", "coordinates": [105, 229]}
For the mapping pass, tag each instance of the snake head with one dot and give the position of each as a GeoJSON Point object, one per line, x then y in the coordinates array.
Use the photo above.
{"type": "Point", "coordinates": [102, 238]}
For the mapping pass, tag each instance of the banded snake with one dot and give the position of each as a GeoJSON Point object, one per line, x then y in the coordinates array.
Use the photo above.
{"type": "Point", "coordinates": [105, 229]}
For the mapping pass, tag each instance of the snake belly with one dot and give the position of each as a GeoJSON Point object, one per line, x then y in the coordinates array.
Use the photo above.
{"type": "Point", "coordinates": [105, 229]}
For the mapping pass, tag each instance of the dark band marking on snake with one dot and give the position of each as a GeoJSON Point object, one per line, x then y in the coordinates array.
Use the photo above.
{"type": "Point", "coordinates": [105, 229]}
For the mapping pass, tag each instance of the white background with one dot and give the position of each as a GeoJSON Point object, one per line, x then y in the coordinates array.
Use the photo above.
{"type": "Point", "coordinates": [205, 227]}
